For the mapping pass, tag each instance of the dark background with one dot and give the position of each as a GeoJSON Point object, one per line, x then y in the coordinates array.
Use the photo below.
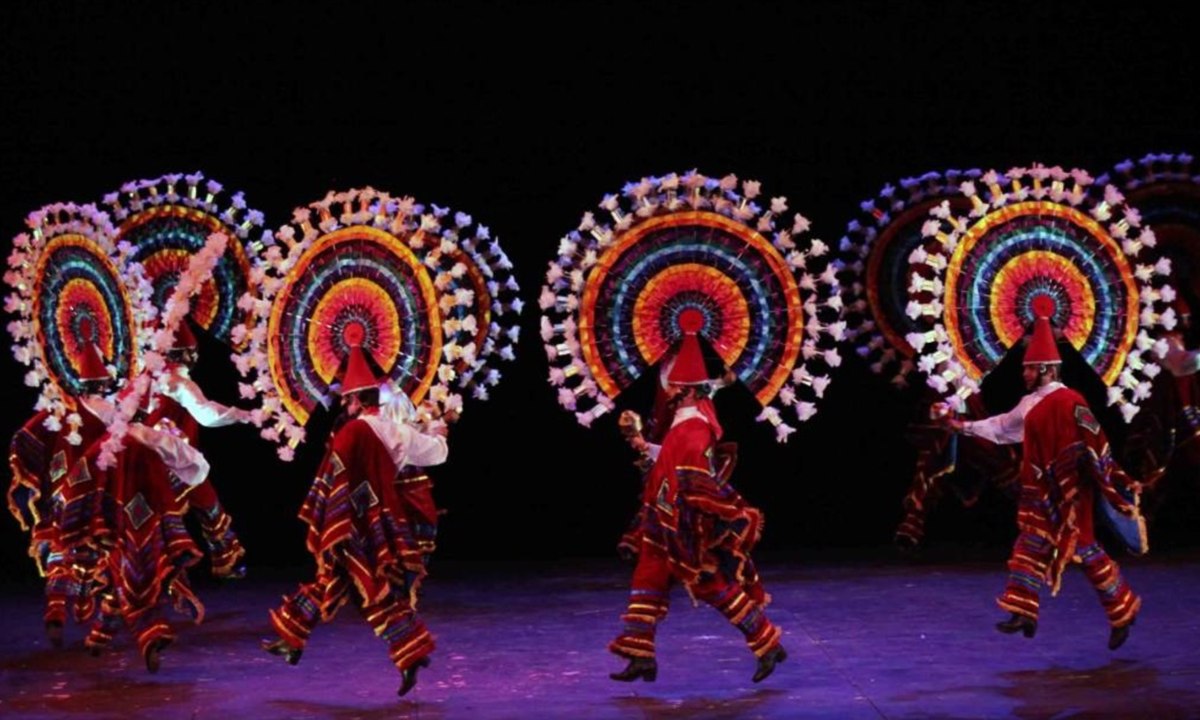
{"type": "Point", "coordinates": [524, 115]}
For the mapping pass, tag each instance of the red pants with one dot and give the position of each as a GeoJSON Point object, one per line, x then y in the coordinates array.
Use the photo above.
{"type": "Point", "coordinates": [225, 550]}
{"type": "Point", "coordinates": [649, 599]}
{"type": "Point", "coordinates": [70, 583]}
{"type": "Point", "coordinates": [392, 618]}
{"type": "Point", "coordinates": [1029, 567]}
{"type": "Point", "coordinates": [147, 627]}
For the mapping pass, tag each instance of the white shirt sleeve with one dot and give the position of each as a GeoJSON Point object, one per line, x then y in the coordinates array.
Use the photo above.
{"type": "Point", "coordinates": [423, 449]}
{"type": "Point", "coordinates": [207, 412]}
{"type": "Point", "coordinates": [177, 454]}
{"type": "Point", "coordinates": [1004, 429]}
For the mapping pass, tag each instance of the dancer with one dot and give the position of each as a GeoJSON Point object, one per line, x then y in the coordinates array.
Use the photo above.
{"type": "Point", "coordinates": [646, 439]}
{"type": "Point", "coordinates": [695, 528]}
{"type": "Point", "coordinates": [128, 514]}
{"type": "Point", "coordinates": [356, 529]}
{"type": "Point", "coordinates": [1066, 469]}
{"type": "Point", "coordinates": [181, 407]}
{"type": "Point", "coordinates": [40, 459]}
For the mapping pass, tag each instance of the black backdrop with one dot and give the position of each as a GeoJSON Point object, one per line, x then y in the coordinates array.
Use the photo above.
{"type": "Point", "coordinates": [524, 115]}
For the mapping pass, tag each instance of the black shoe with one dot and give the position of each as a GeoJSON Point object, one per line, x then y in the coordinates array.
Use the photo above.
{"type": "Point", "coordinates": [283, 650]}
{"type": "Point", "coordinates": [767, 663]}
{"type": "Point", "coordinates": [409, 676]}
{"type": "Point", "coordinates": [1018, 623]}
{"type": "Point", "coordinates": [1119, 635]}
{"type": "Point", "coordinates": [638, 667]}
{"type": "Point", "coordinates": [153, 657]}
{"type": "Point", "coordinates": [54, 631]}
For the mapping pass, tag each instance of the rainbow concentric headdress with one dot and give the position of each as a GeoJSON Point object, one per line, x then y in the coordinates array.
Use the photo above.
{"type": "Point", "coordinates": [876, 274]}
{"type": "Point", "coordinates": [167, 220]}
{"type": "Point", "coordinates": [428, 302]}
{"type": "Point", "coordinates": [674, 246]}
{"type": "Point", "coordinates": [1041, 238]}
{"type": "Point", "coordinates": [74, 294]}
{"type": "Point", "coordinates": [1165, 189]}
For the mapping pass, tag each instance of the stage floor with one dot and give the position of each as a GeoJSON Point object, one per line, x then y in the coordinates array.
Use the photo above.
{"type": "Point", "coordinates": [865, 640]}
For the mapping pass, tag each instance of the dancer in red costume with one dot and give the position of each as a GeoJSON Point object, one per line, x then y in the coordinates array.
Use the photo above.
{"type": "Point", "coordinates": [40, 459]}
{"type": "Point", "coordinates": [182, 408]}
{"type": "Point", "coordinates": [356, 529]}
{"type": "Point", "coordinates": [1066, 469]}
{"type": "Point", "coordinates": [129, 515]}
{"type": "Point", "coordinates": [647, 438]}
{"type": "Point", "coordinates": [695, 528]}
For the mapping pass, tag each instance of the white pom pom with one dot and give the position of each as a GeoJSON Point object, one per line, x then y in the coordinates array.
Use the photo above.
{"type": "Point", "coordinates": [805, 411]}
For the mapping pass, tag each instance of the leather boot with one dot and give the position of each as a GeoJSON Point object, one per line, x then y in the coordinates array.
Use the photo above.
{"type": "Point", "coordinates": [1118, 635]}
{"type": "Point", "coordinates": [638, 667]}
{"type": "Point", "coordinates": [153, 653]}
{"type": "Point", "coordinates": [767, 663]}
{"type": "Point", "coordinates": [282, 649]}
{"type": "Point", "coordinates": [408, 677]}
{"type": "Point", "coordinates": [1018, 623]}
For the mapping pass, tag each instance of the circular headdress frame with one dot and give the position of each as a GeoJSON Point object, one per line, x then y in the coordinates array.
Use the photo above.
{"type": "Point", "coordinates": [1165, 190]}
{"type": "Point", "coordinates": [363, 268]}
{"type": "Point", "coordinates": [1037, 237]}
{"type": "Point", "coordinates": [875, 272]}
{"type": "Point", "coordinates": [74, 293]}
{"type": "Point", "coordinates": [681, 246]}
{"type": "Point", "coordinates": [492, 319]}
{"type": "Point", "coordinates": [166, 220]}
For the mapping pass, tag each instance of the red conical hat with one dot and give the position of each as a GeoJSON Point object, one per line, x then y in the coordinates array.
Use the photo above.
{"type": "Point", "coordinates": [1042, 350]}
{"type": "Point", "coordinates": [91, 365]}
{"type": "Point", "coordinates": [185, 339]}
{"type": "Point", "coordinates": [358, 375]}
{"type": "Point", "coordinates": [688, 368]}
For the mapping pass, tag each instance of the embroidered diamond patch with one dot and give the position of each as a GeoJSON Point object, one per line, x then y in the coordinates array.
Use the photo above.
{"type": "Point", "coordinates": [1086, 420]}
{"type": "Point", "coordinates": [663, 501]}
{"type": "Point", "coordinates": [138, 511]}
{"type": "Point", "coordinates": [363, 498]}
{"type": "Point", "coordinates": [58, 466]}
{"type": "Point", "coordinates": [79, 474]}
